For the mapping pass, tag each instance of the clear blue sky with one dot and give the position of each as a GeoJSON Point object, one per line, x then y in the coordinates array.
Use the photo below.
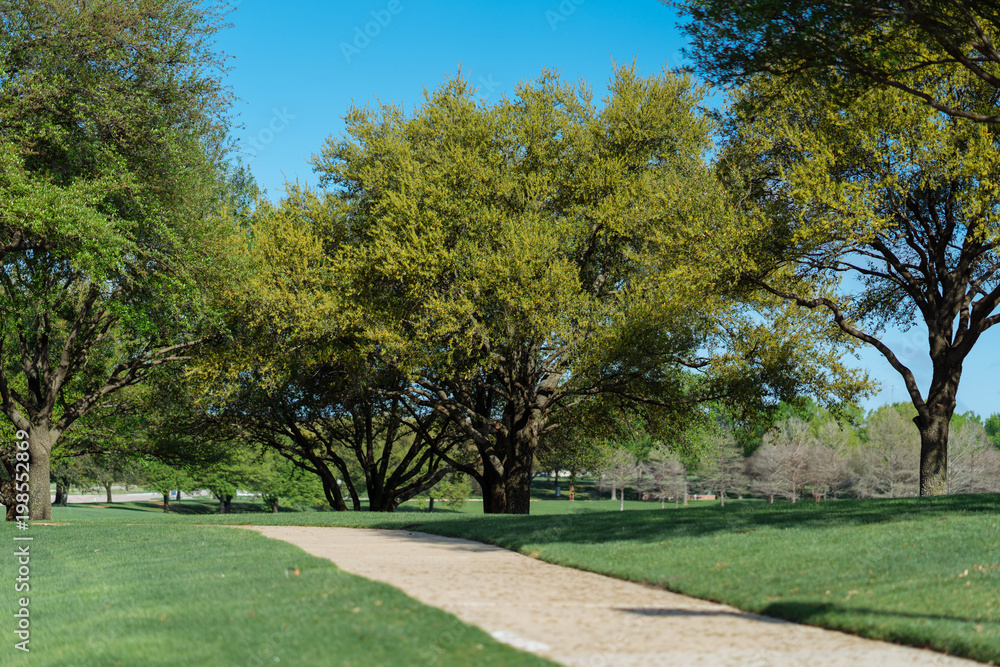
{"type": "Point", "coordinates": [298, 65]}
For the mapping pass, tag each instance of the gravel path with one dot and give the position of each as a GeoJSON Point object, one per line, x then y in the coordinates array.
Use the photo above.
{"type": "Point", "coordinates": [580, 618]}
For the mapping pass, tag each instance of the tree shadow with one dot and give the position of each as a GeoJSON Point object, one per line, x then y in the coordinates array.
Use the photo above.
{"type": "Point", "coordinates": [657, 525]}
{"type": "Point", "coordinates": [806, 612]}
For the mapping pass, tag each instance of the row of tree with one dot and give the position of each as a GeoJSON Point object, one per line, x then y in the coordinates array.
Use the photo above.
{"type": "Point", "coordinates": [473, 277]}
{"type": "Point", "coordinates": [814, 454]}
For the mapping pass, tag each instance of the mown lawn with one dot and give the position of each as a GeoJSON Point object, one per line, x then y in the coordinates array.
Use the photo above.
{"type": "Point", "coordinates": [172, 593]}
{"type": "Point", "coordinates": [924, 572]}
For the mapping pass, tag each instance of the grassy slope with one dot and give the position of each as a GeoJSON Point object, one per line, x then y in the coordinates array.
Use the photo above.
{"type": "Point", "coordinates": [176, 594]}
{"type": "Point", "coordinates": [924, 572]}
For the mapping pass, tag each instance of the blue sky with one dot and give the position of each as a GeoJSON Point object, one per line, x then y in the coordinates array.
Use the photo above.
{"type": "Point", "coordinates": [298, 65]}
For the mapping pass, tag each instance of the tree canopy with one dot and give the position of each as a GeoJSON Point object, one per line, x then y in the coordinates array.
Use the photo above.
{"type": "Point", "coordinates": [890, 211]}
{"type": "Point", "coordinates": [112, 177]}
{"type": "Point", "coordinates": [518, 259]}
{"type": "Point", "coordinates": [907, 46]}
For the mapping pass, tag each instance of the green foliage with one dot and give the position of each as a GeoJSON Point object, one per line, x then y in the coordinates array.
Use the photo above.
{"type": "Point", "coordinates": [852, 46]}
{"type": "Point", "coordinates": [453, 490]}
{"type": "Point", "coordinates": [887, 191]}
{"type": "Point", "coordinates": [518, 258]}
{"type": "Point", "coordinates": [116, 236]}
{"type": "Point", "coordinates": [992, 425]}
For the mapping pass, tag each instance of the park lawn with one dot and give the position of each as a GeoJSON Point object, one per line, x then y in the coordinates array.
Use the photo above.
{"type": "Point", "coordinates": [173, 593]}
{"type": "Point", "coordinates": [923, 572]}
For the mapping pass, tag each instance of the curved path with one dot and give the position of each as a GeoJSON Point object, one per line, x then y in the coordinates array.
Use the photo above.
{"type": "Point", "coordinates": [580, 618]}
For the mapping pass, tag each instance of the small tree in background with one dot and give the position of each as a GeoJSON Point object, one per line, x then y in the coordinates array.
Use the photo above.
{"type": "Point", "coordinates": [763, 469]}
{"type": "Point", "coordinates": [164, 478]}
{"type": "Point", "coordinates": [620, 467]}
{"type": "Point", "coordinates": [973, 462]}
{"type": "Point", "coordinates": [107, 470]}
{"type": "Point", "coordinates": [724, 466]}
{"type": "Point", "coordinates": [895, 443]}
{"type": "Point", "coordinates": [666, 477]}
{"type": "Point", "coordinates": [992, 426]}
{"type": "Point", "coordinates": [453, 489]}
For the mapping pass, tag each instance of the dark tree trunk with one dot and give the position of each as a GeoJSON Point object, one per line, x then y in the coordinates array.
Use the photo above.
{"type": "Point", "coordinates": [166, 502]}
{"type": "Point", "coordinates": [7, 496]}
{"type": "Point", "coordinates": [107, 489]}
{"type": "Point", "coordinates": [59, 493]}
{"type": "Point", "coordinates": [430, 505]}
{"type": "Point", "coordinates": [519, 489]}
{"type": "Point", "coordinates": [40, 494]}
{"type": "Point", "coordinates": [331, 489]}
{"type": "Point", "coordinates": [933, 453]}
{"type": "Point", "coordinates": [225, 504]}
{"type": "Point", "coordinates": [494, 493]}
{"type": "Point", "coordinates": [934, 418]}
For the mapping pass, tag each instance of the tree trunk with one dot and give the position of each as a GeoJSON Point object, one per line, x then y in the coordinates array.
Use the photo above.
{"type": "Point", "coordinates": [331, 489]}
{"type": "Point", "coordinates": [166, 502]}
{"type": "Point", "coordinates": [494, 492]}
{"type": "Point", "coordinates": [40, 494]}
{"type": "Point", "coordinates": [225, 504]}
{"type": "Point", "coordinates": [933, 429]}
{"type": "Point", "coordinates": [517, 468]}
{"type": "Point", "coordinates": [430, 505]}
{"type": "Point", "coordinates": [621, 507]}
{"type": "Point", "coordinates": [107, 489]}
{"type": "Point", "coordinates": [59, 493]}
{"type": "Point", "coordinates": [519, 489]}
{"type": "Point", "coordinates": [7, 495]}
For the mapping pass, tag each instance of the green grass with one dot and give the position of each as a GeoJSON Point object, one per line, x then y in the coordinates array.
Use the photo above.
{"type": "Point", "coordinates": [924, 572]}
{"type": "Point", "coordinates": [174, 593]}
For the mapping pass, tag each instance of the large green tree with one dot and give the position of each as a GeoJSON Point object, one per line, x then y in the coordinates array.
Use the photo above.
{"type": "Point", "coordinates": [112, 137]}
{"type": "Point", "coordinates": [898, 199]}
{"type": "Point", "coordinates": [902, 44]}
{"type": "Point", "coordinates": [515, 259]}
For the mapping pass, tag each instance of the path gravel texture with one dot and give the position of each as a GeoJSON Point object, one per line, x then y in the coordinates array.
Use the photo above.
{"type": "Point", "coordinates": [580, 618]}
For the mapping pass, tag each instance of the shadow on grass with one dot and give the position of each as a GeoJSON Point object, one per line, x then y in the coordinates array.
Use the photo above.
{"type": "Point", "coordinates": [658, 525]}
{"type": "Point", "coordinates": [181, 508]}
{"type": "Point", "coordinates": [808, 612]}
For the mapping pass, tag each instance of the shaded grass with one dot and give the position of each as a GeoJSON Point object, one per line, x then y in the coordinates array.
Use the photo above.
{"type": "Point", "coordinates": [176, 594]}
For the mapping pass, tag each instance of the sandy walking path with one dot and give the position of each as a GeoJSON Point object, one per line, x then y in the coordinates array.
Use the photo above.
{"type": "Point", "coordinates": [580, 618]}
